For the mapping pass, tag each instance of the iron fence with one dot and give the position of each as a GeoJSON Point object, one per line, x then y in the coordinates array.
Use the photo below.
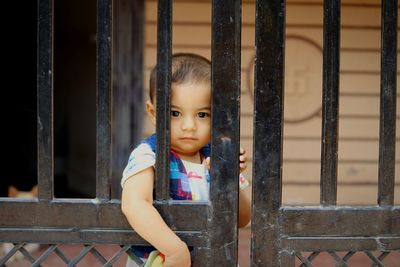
{"type": "Point", "coordinates": [279, 233]}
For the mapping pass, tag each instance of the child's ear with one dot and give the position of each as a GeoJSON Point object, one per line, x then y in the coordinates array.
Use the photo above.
{"type": "Point", "coordinates": [151, 111]}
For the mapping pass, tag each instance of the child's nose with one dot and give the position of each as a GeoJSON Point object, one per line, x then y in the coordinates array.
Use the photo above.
{"type": "Point", "coordinates": [188, 124]}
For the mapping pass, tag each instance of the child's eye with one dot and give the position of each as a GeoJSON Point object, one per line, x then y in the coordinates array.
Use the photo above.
{"type": "Point", "coordinates": [202, 115]}
{"type": "Point", "coordinates": [175, 113]}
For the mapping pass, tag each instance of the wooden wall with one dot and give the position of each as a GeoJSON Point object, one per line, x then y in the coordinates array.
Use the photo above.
{"type": "Point", "coordinates": [359, 91]}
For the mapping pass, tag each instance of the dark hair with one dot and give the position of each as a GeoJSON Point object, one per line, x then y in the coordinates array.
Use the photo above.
{"type": "Point", "coordinates": [186, 67]}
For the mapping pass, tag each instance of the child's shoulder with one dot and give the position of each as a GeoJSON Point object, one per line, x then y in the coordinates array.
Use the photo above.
{"type": "Point", "coordinates": [150, 141]}
{"type": "Point", "coordinates": [143, 148]}
{"type": "Point", "coordinates": [146, 145]}
{"type": "Point", "coordinates": [142, 157]}
{"type": "Point", "coordinates": [145, 151]}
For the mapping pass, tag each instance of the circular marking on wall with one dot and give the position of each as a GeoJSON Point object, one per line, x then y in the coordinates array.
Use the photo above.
{"type": "Point", "coordinates": [303, 79]}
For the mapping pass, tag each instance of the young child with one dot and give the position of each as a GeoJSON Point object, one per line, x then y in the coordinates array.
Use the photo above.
{"type": "Point", "coordinates": [189, 160]}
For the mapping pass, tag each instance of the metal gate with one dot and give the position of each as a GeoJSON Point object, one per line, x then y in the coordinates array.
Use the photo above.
{"type": "Point", "coordinates": [279, 233]}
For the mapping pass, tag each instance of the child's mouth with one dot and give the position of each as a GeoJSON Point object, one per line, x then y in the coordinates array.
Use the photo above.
{"type": "Point", "coordinates": [187, 138]}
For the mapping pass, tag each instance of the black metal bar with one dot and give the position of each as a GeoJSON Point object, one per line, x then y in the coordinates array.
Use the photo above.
{"type": "Point", "coordinates": [104, 83]}
{"type": "Point", "coordinates": [81, 255]}
{"type": "Point", "coordinates": [60, 254]}
{"type": "Point", "coordinates": [86, 236]}
{"type": "Point", "coordinates": [379, 243]}
{"type": "Point", "coordinates": [101, 215]}
{"type": "Point", "coordinates": [339, 260]}
{"type": "Point", "coordinates": [98, 255]}
{"type": "Point", "coordinates": [200, 256]}
{"type": "Point", "coordinates": [45, 254]}
{"type": "Point", "coordinates": [27, 255]}
{"type": "Point", "coordinates": [116, 256]}
{"type": "Point", "coordinates": [268, 132]}
{"type": "Point", "coordinates": [330, 103]}
{"type": "Point", "coordinates": [163, 93]}
{"type": "Point", "coordinates": [305, 261]}
{"type": "Point", "coordinates": [311, 257]}
{"type": "Point", "coordinates": [387, 131]}
{"type": "Point", "coordinates": [45, 101]}
{"type": "Point", "coordinates": [288, 259]}
{"type": "Point", "coordinates": [338, 221]}
{"type": "Point", "coordinates": [372, 257]}
{"type": "Point", "coordinates": [383, 255]}
{"type": "Point", "coordinates": [348, 255]}
{"type": "Point", "coordinates": [226, 41]}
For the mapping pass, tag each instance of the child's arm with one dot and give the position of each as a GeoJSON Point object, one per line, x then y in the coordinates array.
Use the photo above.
{"type": "Point", "coordinates": [244, 207]}
{"type": "Point", "coordinates": [137, 205]}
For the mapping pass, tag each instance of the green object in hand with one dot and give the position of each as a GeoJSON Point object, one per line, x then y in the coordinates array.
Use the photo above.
{"type": "Point", "coordinates": [155, 259]}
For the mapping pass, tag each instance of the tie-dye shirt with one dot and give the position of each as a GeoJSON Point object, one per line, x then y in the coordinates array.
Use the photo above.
{"type": "Point", "coordinates": [188, 181]}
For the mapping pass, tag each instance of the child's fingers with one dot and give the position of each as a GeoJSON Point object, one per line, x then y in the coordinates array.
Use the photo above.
{"type": "Point", "coordinates": [243, 166]}
{"type": "Point", "coordinates": [242, 160]}
{"type": "Point", "coordinates": [242, 155]}
{"type": "Point", "coordinates": [207, 162]}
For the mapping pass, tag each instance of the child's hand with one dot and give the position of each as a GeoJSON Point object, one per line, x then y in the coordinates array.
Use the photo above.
{"type": "Point", "coordinates": [179, 258]}
{"type": "Point", "coordinates": [242, 161]}
{"type": "Point", "coordinates": [207, 162]}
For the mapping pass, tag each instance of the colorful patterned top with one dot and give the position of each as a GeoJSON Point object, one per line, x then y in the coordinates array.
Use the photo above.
{"type": "Point", "coordinates": [181, 186]}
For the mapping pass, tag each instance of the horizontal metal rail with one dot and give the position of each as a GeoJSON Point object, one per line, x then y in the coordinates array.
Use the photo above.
{"type": "Point", "coordinates": [87, 213]}
{"type": "Point", "coordinates": [340, 221]}
{"type": "Point", "coordinates": [339, 243]}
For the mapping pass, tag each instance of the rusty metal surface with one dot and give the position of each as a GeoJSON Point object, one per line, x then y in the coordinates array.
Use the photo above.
{"type": "Point", "coordinates": [225, 57]}
{"type": "Point", "coordinates": [163, 95]}
{"type": "Point", "coordinates": [387, 130]}
{"type": "Point", "coordinates": [330, 103]}
{"type": "Point", "coordinates": [103, 122]}
{"type": "Point", "coordinates": [268, 133]}
{"type": "Point", "coordinates": [45, 101]}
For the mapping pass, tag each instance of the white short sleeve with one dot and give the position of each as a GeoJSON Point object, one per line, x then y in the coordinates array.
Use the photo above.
{"type": "Point", "coordinates": [140, 159]}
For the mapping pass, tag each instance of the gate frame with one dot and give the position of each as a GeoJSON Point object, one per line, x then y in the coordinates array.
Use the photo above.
{"type": "Point", "coordinates": [279, 233]}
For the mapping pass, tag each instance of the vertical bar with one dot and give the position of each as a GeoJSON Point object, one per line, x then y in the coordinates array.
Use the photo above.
{"type": "Point", "coordinates": [268, 133]}
{"type": "Point", "coordinates": [330, 102]}
{"type": "Point", "coordinates": [45, 101]}
{"type": "Point", "coordinates": [103, 125]}
{"type": "Point", "coordinates": [163, 92]}
{"type": "Point", "coordinates": [226, 38]}
{"type": "Point", "coordinates": [288, 259]}
{"type": "Point", "coordinates": [387, 131]}
{"type": "Point", "coordinates": [200, 257]}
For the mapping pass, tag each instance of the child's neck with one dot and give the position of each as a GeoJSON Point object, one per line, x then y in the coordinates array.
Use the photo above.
{"type": "Point", "coordinates": [195, 158]}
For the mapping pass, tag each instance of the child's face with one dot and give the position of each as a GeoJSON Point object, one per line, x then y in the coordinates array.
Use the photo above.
{"type": "Point", "coordinates": [190, 118]}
